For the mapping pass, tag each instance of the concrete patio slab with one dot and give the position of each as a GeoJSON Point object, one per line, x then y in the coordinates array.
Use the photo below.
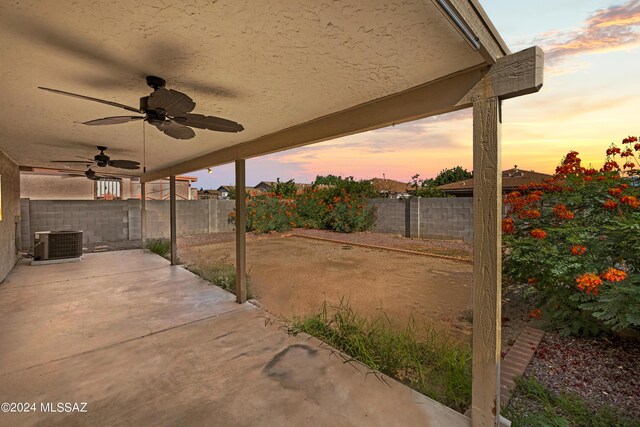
{"type": "Point", "coordinates": [161, 347]}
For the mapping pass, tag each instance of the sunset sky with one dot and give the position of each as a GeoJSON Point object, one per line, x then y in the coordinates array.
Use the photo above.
{"type": "Point", "coordinates": [590, 98]}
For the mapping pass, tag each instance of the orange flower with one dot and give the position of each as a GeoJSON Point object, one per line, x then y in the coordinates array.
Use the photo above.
{"type": "Point", "coordinates": [628, 200]}
{"type": "Point", "coordinates": [507, 226]}
{"type": "Point", "coordinates": [536, 313]}
{"type": "Point", "coordinates": [538, 233]}
{"type": "Point", "coordinates": [561, 211]}
{"type": "Point", "coordinates": [615, 191]}
{"type": "Point", "coordinates": [532, 280]}
{"type": "Point", "coordinates": [610, 204]}
{"type": "Point", "coordinates": [614, 275]}
{"type": "Point", "coordinates": [531, 213]}
{"type": "Point", "coordinates": [589, 283]}
{"type": "Point", "coordinates": [578, 250]}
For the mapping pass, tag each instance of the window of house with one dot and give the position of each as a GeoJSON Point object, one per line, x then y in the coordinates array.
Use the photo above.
{"type": "Point", "coordinates": [108, 188]}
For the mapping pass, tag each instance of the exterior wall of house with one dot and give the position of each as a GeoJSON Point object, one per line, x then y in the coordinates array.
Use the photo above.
{"type": "Point", "coordinates": [430, 218]}
{"type": "Point", "coordinates": [10, 208]}
{"type": "Point", "coordinates": [55, 187]}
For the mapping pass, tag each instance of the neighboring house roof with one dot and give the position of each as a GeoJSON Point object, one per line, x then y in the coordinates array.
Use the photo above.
{"type": "Point", "coordinates": [383, 185]}
{"type": "Point", "coordinates": [512, 179]}
{"type": "Point", "coordinates": [232, 188]}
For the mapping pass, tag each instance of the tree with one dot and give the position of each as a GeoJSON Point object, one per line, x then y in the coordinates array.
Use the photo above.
{"type": "Point", "coordinates": [447, 176]}
{"type": "Point", "coordinates": [286, 189]}
{"type": "Point", "coordinates": [424, 188]}
{"type": "Point", "coordinates": [362, 187]}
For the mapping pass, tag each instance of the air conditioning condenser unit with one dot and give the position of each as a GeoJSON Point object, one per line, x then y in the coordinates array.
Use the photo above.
{"type": "Point", "coordinates": [57, 245]}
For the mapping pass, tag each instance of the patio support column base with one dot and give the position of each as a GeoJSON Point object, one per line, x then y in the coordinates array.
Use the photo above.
{"type": "Point", "coordinates": [487, 262]}
{"type": "Point", "coordinates": [241, 238]}
{"type": "Point", "coordinates": [172, 215]}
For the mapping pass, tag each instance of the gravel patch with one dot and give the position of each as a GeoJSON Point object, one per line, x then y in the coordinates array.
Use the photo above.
{"type": "Point", "coordinates": [600, 370]}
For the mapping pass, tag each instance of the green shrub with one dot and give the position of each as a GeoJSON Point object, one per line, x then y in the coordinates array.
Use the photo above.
{"type": "Point", "coordinates": [432, 364]}
{"type": "Point", "coordinates": [220, 274]}
{"type": "Point", "coordinates": [576, 241]}
{"type": "Point", "coordinates": [328, 208]}
{"type": "Point", "coordinates": [158, 246]}
{"type": "Point", "coordinates": [268, 212]}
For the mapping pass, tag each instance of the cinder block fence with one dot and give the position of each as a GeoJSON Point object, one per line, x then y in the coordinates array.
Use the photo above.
{"type": "Point", "coordinates": [119, 220]}
{"type": "Point", "coordinates": [430, 218]}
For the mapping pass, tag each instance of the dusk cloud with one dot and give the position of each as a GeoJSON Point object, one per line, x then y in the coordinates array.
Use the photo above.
{"type": "Point", "coordinates": [609, 29]}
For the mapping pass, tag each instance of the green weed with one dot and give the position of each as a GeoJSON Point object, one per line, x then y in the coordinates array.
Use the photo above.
{"type": "Point", "coordinates": [533, 405]}
{"type": "Point", "coordinates": [432, 364]}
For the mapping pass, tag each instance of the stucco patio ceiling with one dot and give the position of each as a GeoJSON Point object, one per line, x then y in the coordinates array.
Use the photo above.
{"type": "Point", "coordinates": [270, 65]}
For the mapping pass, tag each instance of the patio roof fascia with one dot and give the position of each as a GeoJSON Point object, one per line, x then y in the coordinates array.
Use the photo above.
{"type": "Point", "coordinates": [513, 75]}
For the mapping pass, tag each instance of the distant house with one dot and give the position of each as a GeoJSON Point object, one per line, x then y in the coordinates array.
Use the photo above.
{"type": "Point", "coordinates": [226, 191]}
{"type": "Point", "coordinates": [512, 179]}
{"type": "Point", "coordinates": [208, 194]}
{"type": "Point", "coordinates": [49, 184]}
{"type": "Point", "coordinates": [391, 188]}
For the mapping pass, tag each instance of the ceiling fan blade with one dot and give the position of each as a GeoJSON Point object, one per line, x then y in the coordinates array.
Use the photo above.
{"type": "Point", "coordinates": [83, 162]}
{"type": "Point", "coordinates": [124, 164]}
{"type": "Point", "coordinates": [175, 130]}
{"type": "Point", "coordinates": [173, 102]}
{"type": "Point", "coordinates": [115, 120]}
{"type": "Point", "coordinates": [102, 101]}
{"type": "Point", "coordinates": [209, 122]}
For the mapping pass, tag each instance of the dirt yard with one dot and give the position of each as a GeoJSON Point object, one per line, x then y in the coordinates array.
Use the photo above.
{"type": "Point", "coordinates": [293, 276]}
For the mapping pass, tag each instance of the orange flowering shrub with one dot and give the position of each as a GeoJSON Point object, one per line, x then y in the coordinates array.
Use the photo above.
{"type": "Point", "coordinates": [578, 234]}
{"type": "Point", "coordinates": [328, 208]}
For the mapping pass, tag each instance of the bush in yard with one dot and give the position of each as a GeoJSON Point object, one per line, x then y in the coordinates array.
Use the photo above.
{"type": "Point", "coordinates": [575, 240]}
{"type": "Point", "coordinates": [332, 208]}
{"type": "Point", "coordinates": [158, 246]}
{"type": "Point", "coordinates": [269, 212]}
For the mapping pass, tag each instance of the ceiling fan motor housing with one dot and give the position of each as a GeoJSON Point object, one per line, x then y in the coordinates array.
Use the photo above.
{"type": "Point", "coordinates": [101, 159]}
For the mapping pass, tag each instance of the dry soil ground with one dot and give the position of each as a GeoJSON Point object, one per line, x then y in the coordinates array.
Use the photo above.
{"type": "Point", "coordinates": [293, 276]}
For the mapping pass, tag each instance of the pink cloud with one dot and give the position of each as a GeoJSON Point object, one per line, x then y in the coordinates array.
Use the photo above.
{"type": "Point", "coordinates": [609, 29]}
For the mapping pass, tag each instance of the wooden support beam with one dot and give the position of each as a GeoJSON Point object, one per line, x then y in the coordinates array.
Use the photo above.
{"type": "Point", "coordinates": [512, 75]}
{"type": "Point", "coordinates": [172, 219]}
{"type": "Point", "coordinates": [143, 214]}
{"type": "Point", "coordinates": [487, 263]}
{"type": "Point", "coordinates": [241, 238]}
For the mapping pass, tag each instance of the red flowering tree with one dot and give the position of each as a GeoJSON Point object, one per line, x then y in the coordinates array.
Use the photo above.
{"type": "Point", "coordinates": [575, 242]}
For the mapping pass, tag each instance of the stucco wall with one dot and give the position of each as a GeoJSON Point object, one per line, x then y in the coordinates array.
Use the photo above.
{"type": "Point", "coordinates": [10, 205]}
{"type": "Point", "coordinates": [53, 187]}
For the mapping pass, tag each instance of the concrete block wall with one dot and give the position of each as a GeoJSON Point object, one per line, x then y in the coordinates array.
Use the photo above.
{"type": "Point", "coordinates": [119, 220]}
{"type": "Point", "coordinates": [430, 218]}
{"type": "Point", "coordinates": [100, 220]}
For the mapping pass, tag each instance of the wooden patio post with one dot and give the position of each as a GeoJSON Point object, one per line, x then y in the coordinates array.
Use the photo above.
{"type": "Point", "coordinates": [143, 213]}
{"type": "Point", "coordinates": [487, 262]}
{"type": "Point", "coordinates": [241, 241]}
{"type": "Point", "coordinates": [172, 215]}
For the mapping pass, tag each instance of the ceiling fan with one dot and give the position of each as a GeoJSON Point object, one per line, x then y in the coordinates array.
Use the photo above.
{"type": "Point", "coordinates": [166, 109]}
{"type": "Point", "coordinates": [101, 160]}
{"type": "Point", "coordinates": [93, 175]}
